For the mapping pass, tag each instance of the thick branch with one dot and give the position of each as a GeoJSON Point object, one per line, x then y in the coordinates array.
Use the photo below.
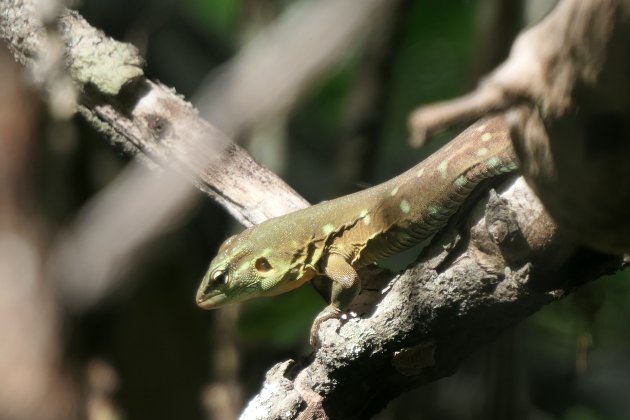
{"type": "Point", "coordinates": [470, 285]}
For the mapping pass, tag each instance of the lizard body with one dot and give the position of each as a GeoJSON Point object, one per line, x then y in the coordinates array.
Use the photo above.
{"type": "Point", "coordinates": [335, 238]}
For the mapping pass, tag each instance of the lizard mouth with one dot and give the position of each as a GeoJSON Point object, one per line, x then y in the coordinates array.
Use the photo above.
{"type": "Point", "coordinates": [211, 300]}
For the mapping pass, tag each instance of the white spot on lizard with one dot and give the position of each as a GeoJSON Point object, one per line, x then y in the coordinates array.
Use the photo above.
{"type": "Point", "coordinates": [461, 181]}
{"type": "Point", "coordinates": [433, 210]}
{"type": "Point", "coordinates": [405, 207]}
{"type": "Point", "coordinates": [443, 168]}
{"type": "Point", "coordinates": [494, 161]}
{"type": "Point", "coordinates": [480, 128]}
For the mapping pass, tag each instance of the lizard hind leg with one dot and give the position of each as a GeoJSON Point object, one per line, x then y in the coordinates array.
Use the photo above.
{"type": "Point", "coordinates": [345, 287]}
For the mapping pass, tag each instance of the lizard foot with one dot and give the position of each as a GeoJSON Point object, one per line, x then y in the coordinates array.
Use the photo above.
{"type": "Point", "coordinates": [329, 312]}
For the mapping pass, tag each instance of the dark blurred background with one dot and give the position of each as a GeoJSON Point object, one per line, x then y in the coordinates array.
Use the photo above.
{"type": "Point", "coordinates": [164, 358]}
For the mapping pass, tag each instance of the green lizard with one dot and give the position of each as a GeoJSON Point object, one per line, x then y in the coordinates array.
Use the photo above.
{"type": "Point", "coordinates": [335, 238]}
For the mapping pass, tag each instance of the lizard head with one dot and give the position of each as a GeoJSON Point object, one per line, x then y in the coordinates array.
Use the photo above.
{"type": "Point", "coordinates": [247, 266]}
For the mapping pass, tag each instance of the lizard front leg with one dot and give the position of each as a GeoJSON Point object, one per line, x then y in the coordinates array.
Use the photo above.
{"type": "Point", "coordinates": [345, 287]}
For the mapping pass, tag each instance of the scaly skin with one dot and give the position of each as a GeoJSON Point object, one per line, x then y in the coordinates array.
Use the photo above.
{"type": "Point", "coordinates": [336, 237]}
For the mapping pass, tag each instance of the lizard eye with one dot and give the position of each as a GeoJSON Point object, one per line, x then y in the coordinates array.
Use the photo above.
{"type": "Point", "coordinates": [219, 277]}
{"type": "Point", "coordinates": [262, 265]}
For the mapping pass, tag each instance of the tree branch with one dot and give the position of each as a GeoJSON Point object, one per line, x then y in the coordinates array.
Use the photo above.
{"type": "Point", "coordinates": [471, 284]}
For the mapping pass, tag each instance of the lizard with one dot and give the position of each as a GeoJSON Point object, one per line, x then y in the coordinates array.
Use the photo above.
{"type": "Point", "coordinates": [335, 238]}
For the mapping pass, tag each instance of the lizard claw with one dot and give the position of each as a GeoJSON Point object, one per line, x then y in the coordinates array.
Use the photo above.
{"type": "Point", "coordinates": [329, 312]}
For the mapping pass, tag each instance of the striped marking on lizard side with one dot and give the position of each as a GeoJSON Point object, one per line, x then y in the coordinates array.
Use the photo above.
{"type": "Point", "coordinates": [493, 162]}
{"type": "Point", "coordinates": [460, 181]}
{"type": "Point", "coordinates": [482, 151]}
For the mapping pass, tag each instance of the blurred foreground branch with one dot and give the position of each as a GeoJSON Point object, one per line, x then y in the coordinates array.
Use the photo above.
{"type": "Point", "coordinates": [33, 383]}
